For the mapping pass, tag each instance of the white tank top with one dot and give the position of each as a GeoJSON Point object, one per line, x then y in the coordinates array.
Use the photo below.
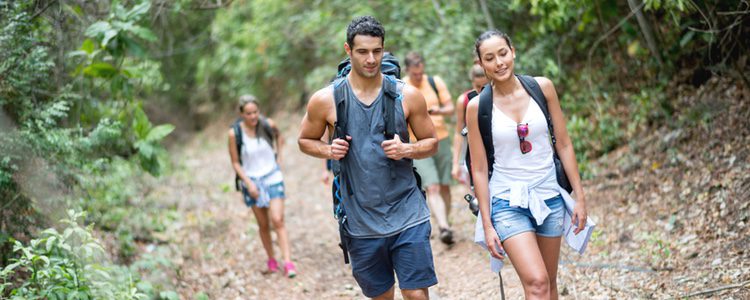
{"type": "Point", "coordinates": [258, 158]}
{"type": "Point", "coordinates": [513, 166]}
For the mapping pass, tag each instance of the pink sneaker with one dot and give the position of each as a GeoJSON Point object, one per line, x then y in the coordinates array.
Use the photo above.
{"type": "Point", "coordinates": [290, 270]}
{"type": "Point", "coordinates": [273, 266]}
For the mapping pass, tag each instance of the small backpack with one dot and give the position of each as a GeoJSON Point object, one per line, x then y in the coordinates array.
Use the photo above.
{"type": "Point", "coordinates": [263, 130]}
{"type": "Point", "coordinates": [485, 128]}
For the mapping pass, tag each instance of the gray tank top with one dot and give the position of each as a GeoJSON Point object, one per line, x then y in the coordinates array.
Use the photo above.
{"type": "Point", "coordinates": [385, 199]}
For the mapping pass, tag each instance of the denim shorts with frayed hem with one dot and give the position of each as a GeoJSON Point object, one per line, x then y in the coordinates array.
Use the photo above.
{"type": "Point", "coordinates": [275, 191]}
{"type": "Point", "coordinates": [509, 221]}
{"type": "Point", "coordinates": [408, 253]}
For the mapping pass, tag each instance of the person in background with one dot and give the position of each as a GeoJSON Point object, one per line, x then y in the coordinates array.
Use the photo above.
{"type": "Point", "coordinates": [478, 80]}
{"type": "Point", "coordinates": [435, 170]}
{"type": "Point", "coordinates": [256, 164]}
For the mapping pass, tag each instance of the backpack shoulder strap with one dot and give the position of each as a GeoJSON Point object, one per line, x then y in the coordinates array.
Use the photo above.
{"type": "Point", "coordinates": [431, 80]}
{"type": "Point", "coordinates": [390, 86]}
{"type": "Point", "coordinates": [485, 125]}
{"type": "Point", "coordinates": [238, 143]}
{"type": "Point", "coordinates": [238, 137]}
{"type": "Point", "coordinates": [339, 97]}
{"type": "Point", "coordinates": [532, 87]}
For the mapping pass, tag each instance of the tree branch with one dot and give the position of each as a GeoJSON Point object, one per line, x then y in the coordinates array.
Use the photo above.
{"type": "Point", "coordinates": [602, 38]}
{"type": "Point", "coordinates": [718, 289]}
{"type": "Point", "coordinates": [486, 13]}
{"type": "Point", "coordinates": [646, 30]}
{"type": "Point", "coordinates": [39, 12]}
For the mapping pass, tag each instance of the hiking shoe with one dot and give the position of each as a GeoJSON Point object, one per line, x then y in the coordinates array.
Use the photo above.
{"type": "Point", "coordinates": [273, 266]}
{"type": "Point", "coordinates": [290, 270]}
{"type": "Point", "coordinates": [446, 236]}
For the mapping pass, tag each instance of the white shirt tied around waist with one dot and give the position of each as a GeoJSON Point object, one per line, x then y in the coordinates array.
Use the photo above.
{"type": "Point", "coordinates": [523, 195]}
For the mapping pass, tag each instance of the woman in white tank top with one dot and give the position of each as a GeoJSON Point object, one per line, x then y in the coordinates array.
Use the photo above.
{"type": "Point", "coordinates": [521, 206]}
{"type": "Point", "coordinates": [257, 167]}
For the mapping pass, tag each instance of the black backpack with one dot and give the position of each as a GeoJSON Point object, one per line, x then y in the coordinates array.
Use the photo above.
{"type": "Point", "coordinates": [391, 71]}
{"type": "Point", "coordinates": [263, 130]}
{"type": "Point", "coordinates": [485, 128]}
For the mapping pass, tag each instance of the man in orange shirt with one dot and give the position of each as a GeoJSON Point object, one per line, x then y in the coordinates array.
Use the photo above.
{"type": "Point", "coordinates": [435, 170]}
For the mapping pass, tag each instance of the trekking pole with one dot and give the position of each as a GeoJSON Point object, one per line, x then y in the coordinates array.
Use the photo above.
{"type": "Point", "coordinates": [502, 289]}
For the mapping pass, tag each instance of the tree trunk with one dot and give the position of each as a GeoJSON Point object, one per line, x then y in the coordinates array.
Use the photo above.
{"type": "Point", "coordinates": [486, 12]}
{"type": "Point", "coordinates": [646, 29]}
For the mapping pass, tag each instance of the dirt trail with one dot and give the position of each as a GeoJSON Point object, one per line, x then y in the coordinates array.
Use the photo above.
{"type": "Point", "coordinates": [217, 251]}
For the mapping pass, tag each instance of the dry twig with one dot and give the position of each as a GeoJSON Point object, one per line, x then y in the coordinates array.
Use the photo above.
{"type": "Point", "coordinates": [718, 289]}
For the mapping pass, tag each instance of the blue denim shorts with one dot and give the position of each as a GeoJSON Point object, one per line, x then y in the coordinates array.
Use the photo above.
{"type": "Point", "coordinates": [275, 191]}
{"type": "Point", "coordinates": [408, 253]}
{"type": "Point", "coordinates": [509, 221]}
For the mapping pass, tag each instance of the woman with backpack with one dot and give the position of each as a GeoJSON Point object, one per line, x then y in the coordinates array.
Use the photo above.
{"type": "Point", "coordinates": [478, 80]}
{"type": "Point", "coordinates": [252, 141]}
{"type": "Point", "coordinates": [522, 204]}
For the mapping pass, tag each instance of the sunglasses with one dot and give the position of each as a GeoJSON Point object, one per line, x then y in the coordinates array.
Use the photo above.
{"type": "Point", "coordinates": [523, 132]}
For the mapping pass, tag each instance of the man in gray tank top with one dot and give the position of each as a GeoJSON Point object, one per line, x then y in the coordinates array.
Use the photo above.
{"type": "Point", "coordinates": [387, 224]}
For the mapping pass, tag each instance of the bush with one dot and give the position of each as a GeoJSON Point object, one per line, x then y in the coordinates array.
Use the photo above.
{"type": "Point", "coordinates": [67, 265]}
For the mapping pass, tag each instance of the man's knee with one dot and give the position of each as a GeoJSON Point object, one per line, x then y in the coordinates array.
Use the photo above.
{"type": "Point", "coordinates": [418, 294]}
{"type": "Point", "coordinates": [388, 295]}
{"type": "Point", "coordinates": [433, 189]}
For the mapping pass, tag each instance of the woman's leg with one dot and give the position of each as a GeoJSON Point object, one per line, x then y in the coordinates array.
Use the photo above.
{"type": "Point", "coordinates": [550, 249]}
{"type": "Point", "coordinates": [277, 219]}
{"type": "Point", "coordinates": [261, 215]}
{"type": "Point", "coordinates": [524, 253]}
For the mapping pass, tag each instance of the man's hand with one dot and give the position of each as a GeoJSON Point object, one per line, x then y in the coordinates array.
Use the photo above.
{"type": "Point", "coordinates": [434, 110]}
{"type": "Point", "coordinates": [394, 148]}
{"type": "Point", "coordinates": [339, 148]}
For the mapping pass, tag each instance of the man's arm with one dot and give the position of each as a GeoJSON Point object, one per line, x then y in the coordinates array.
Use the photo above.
{"type": "Point", "coordinates": [320, 115]}
{"type": "Point", "coordinates": [415, 111]}
{"type": "Point", "coordinates": [444, 97]}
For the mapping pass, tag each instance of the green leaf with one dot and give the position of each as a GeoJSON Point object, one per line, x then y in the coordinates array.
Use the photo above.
{"type": "Point", "coordinates": [159, 132]}
{"type": "Point", "coordinates": [97, 28]}
{"type": "Point", "coordinates": [686, 38]}
{"type": "Point", "coordinates": [145, 149]}
{"type": "Point", "coordinates": [9, 268]}
{"type": "Point", "coordinates": [100, 69]}
{"type": "Point", "coordinates": [169, 295]}
{"type": "Point", "coordinates": [144, 33]}
{"type": "Point", "coordinates": [201, 296]}
{"type": "Point", "coordinates": [50, 242]}
{"type": "Point", "coordinates": [109, 35]}
{"type": "Point", "coordinates": [140, 123]}
{"type": "Point", "coordinates": [88, 46]}
{"type": "Point", "coordinates": [138, 10]}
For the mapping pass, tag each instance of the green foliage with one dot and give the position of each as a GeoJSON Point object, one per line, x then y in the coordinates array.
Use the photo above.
{"type": "Point", "coordinates": [67, 265]}
{"type": "Point", "coordinates": [73, 131]}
